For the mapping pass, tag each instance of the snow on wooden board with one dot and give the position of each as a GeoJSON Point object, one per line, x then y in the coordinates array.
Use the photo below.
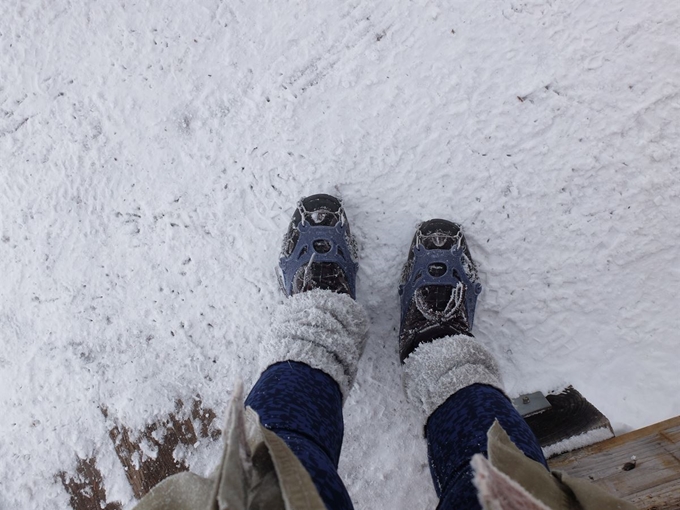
{"type": "Point", "coordinates": [151, 154]}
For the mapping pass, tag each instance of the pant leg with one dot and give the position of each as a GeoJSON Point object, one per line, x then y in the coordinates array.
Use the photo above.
{"type": "Point", "coordinates": [303, 406]}
{"type": "Point", "coordinates": [457, 430]}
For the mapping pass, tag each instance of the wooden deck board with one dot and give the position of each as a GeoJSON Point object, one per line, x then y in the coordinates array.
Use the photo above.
{"type": "Point", "coordinates": [570, 415]}
{"type": "Point", "coordinates": [654, 482]}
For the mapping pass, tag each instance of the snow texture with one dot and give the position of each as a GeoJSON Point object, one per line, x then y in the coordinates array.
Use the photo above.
{"type": "Point", "coordinates": [436, 370]}
{"type": "Point", "coordinates": [151, 154]}
{"type": "Point", "coordinates": [321, 328]}
{"type": "Point", "coordinates": [576, 442]}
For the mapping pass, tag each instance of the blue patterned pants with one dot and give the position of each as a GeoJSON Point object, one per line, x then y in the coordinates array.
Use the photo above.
{"type": "Point", "coordinates": [303, 406]}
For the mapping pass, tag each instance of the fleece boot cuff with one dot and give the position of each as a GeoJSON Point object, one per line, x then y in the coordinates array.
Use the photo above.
{"type": "Point", "coordinates": [321, 328]}
{"type": "Point", "coordinates": [438, 369]}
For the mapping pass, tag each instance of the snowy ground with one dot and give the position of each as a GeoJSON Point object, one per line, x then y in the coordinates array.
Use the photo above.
{"type": "Point", "coordinates": [151, 155]}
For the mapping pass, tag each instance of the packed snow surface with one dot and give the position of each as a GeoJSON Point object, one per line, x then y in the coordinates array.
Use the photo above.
{"type": "Point", "coordinates": [151, 154]}
{"type": "Point", "coordinates": [576, 442]}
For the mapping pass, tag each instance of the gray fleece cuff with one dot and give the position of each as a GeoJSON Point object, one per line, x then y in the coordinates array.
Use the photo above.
{"type": "Point", "coordinates": [321, 328]}
{"type": "Point", "coordinates": [436, 370]}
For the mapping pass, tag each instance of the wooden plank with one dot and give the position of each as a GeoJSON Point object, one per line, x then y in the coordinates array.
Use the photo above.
{"type": "Point", "coordinates": [148, 456]}
{"type": "Point", "coordinates": [654, 481]}
{"type": "Point", "coordinates": [86, 487]}
{"type": "Point", "coordinates": [570, 415]}
{"type": "Point", "coordinates": [162, 437]}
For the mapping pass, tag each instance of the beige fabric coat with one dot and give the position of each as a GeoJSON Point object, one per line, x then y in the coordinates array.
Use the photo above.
{"type": "Point", "coordinates": [259, 472]}
{"type": "Point", "coordinates": [509, 480]}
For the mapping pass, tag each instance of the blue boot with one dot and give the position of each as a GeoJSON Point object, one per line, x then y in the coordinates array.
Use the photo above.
{"type": "Point", "coordinates": [318, 249]}
{"type": "Point", "coordinates": [439, 286]}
